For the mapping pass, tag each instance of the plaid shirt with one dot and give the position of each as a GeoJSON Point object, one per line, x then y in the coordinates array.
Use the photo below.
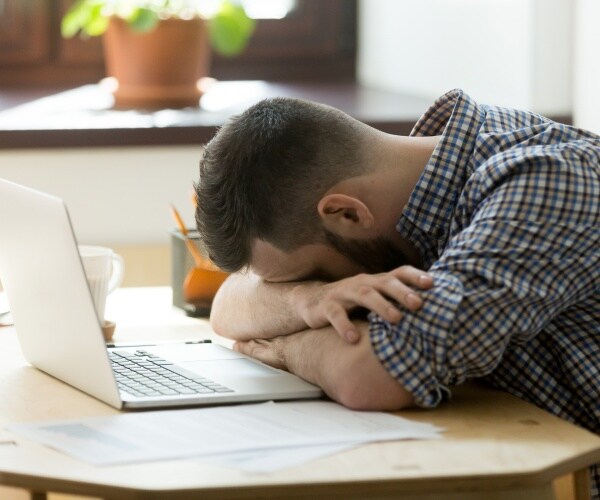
{"type": "Point", "coordinates": [507, 218]}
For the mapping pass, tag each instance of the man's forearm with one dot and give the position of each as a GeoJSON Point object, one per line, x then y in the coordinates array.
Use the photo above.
{"type": "Point", "coordinates": [247, 307]}
{"type": "Point", "coordinates": [348, 373]}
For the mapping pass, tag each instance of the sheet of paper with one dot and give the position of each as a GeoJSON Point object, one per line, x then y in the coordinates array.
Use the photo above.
{"type": "Point", "coordinates": [263, 461]}
{"type": "Point", "coordinates": [162, 435]}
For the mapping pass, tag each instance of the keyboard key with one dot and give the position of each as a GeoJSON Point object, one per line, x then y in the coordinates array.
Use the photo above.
{"type": "Point", "coordinates": [144, 374]}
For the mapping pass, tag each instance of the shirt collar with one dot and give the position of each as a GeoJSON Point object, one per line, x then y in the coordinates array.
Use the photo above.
{"type": "Point", "coordinates": [425, 220]}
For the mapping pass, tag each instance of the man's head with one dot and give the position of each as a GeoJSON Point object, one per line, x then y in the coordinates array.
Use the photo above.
{"type": "Point", "coordinates": [264, 173]}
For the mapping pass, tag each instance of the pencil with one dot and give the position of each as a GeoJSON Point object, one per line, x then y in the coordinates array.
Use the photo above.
{"type": "Point", "coordinates": [192, 248]}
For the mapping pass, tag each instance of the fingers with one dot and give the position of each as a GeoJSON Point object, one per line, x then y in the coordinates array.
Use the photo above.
{"type": "Point", "coordinates": [385, 294]}
{"type": "Point", "coordinates": [378, 294]}
{"type": "Point", "coordinates": [396, 290]}
{"type": "Point", "coordinates": [366, 296]}
{"type": "Point", "coordinates": [253, 348]}
{"type": "Point", "coordinates": [397, 285]}
{"type": "Point", "coordinates": [413, 276]}
{"type": "Point", "coordinates": [337, 316]}
{"type": "Point", "coordinates": [374, 297]}
{"type": "Point", "coordinates": [262, 350]}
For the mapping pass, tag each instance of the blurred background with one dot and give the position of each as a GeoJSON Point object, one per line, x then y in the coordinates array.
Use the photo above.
{"type": "Point", "coordinates": [384, 61]}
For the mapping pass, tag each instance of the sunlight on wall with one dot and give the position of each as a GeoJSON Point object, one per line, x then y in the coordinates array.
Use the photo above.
{"type": "Point", "coordinates": [507, 52]}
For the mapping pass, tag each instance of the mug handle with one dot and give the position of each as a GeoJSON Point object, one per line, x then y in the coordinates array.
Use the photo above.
{"type": "Point", "coordinates": [118, 267]}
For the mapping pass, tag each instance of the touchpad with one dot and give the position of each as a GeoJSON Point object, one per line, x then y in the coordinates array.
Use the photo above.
{"type": "Point", "coordinates": [241, 367]}
{"type": "Point", "coordinates": [179, 353]}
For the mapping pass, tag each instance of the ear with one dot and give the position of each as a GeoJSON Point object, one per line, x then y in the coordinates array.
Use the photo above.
{"type": "Point", "coordinates": [345, 215]}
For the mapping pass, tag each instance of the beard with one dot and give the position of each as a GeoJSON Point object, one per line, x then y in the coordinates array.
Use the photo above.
{"type": "Point", "coordinates": [376, 255]}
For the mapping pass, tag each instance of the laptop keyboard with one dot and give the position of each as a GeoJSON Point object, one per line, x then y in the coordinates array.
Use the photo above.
{"type": "Point", "coordinates": [141, 374]}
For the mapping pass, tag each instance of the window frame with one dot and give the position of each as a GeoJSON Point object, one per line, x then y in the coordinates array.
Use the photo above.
{"type": "Point", "coordinates": [316, 42]}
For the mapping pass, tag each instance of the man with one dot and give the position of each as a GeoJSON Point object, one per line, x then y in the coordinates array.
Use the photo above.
{"type": "Point", "coordinates": [324, 217]}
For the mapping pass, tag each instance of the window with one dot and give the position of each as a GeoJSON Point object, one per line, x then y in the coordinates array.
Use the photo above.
{"type": "Point", "coordinates": [314, 40]}
{"type": "Point", "coordinates": [261, 9]}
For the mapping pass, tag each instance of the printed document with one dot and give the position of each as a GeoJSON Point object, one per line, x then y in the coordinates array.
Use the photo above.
{"type": "Point", "coordinates": [203, 432]}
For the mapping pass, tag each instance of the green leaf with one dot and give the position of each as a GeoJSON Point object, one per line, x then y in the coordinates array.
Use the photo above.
{"type": "Point", "coordinates": [69, 26]}
{"type": "Point", "coordinates": [143, 19]}
{"type": "Point", "coordinates": [74, 19]}
{"type": "Point", "coordinates": [230, 29]}
{"type": "Point", "coordinates": [84, 16]}
{"type": "Point", "coordinates": [97, 22]}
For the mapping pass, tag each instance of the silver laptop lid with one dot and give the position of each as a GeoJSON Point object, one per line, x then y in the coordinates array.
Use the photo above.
{"type": "Point", "coordinates": [48, 293]}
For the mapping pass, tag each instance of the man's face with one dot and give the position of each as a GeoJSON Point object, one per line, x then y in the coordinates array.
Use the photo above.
{"type": "Point", "coordinates": [314, 261]}
{"type": "Point", "coordinates": [375, 255]}
{"type": "Point", "coordinates": [322, 261]}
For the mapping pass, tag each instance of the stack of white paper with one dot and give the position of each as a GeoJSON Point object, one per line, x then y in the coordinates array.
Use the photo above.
{"type": "Point", "coordinates": [247, 436]}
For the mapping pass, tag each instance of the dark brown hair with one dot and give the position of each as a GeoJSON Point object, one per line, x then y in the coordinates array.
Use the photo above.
{"type": "Point", "coordinates": [263, 174]}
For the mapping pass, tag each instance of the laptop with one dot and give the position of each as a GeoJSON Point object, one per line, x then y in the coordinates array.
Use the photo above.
{"type": "Point", "coordinates": [60, 333]}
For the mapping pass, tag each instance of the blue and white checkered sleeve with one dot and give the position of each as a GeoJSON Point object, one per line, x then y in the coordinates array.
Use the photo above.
{"type": "Point", "coordinates": [525, 256]}
{"type": "Point", "coordinates": [415, 351]}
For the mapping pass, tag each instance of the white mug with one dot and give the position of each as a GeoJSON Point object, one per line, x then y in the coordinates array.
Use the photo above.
{"type": "Point", "coordinates": [104, 272]}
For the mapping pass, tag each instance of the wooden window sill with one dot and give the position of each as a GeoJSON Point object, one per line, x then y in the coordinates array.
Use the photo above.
{"type": "Point", "coordinates": [83, 116]}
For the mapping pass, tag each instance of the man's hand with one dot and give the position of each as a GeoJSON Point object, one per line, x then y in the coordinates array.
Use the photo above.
{"type": "Point", "coordinates": [321, 304]}
{"type": "Point", "coordinates": [269, 351]}
{"type": "Point", "coordinates": [350, 374]}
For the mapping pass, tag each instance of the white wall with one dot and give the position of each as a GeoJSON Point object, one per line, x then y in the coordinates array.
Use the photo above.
{"type": "Point", "coordinates": [552, 56]}
{"type": "Point", "coordinates": [509, 52]}
{"type": "Point", "coordinates": [116, 196]}
{"type": "Point", "coordinates": [586, 109]}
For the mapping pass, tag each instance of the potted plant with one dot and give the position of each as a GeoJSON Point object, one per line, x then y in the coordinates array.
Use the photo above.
{"type": "Point", "coordinates": [158, 51]}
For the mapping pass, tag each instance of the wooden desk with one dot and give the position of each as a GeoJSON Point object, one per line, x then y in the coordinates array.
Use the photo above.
{"type": "Point", "coordinates": [495, 446]}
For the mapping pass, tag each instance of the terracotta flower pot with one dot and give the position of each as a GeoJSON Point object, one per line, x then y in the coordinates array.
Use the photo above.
{"type": "Point", "coordinates": [159, 68]}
